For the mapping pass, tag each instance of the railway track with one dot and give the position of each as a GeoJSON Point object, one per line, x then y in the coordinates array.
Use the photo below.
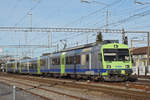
{"type": "Point", "coordinates": [131, 91]}
{"type": "Point", "coordinates": [32, 87]}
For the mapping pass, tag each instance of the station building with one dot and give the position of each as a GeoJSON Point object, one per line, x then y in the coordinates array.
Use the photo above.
{"type": "Point", "coordinates": [139, 58]}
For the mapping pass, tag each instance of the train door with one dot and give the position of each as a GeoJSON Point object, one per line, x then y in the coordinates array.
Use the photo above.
{"type": "Point", "coordinates": [38, 66]}
{"type": "Point", "coordinates": [49, 63]}
{"type": "Point", "coordinates": [75, 62]}
{"type": "Point", "coordinates": [63, 62]}
{"type": "Point", "coordinates": [90, 66]}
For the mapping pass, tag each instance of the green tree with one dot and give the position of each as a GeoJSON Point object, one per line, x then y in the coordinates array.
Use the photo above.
{"type": "Point", "coordinates": [99, 38]}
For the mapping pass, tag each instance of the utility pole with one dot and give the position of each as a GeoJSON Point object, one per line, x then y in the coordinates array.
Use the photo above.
{"type": "Point", "coordinates": [141, 3]}
{"type": "Point", "coordinates": [48, 39]}
{"type": "Point", "coordinates": [100, 3]}
{"type": "Point", "coordinates": [131, 44]}
{"type": "Point", "coordinates": [30, 14]}
{"type": "Point", "coordinates": [87, 38]}
{"type": "Point", "coordinates": [107, 18]}
{"type": "Point", "coordinates": [123, 35]}
{"type": "Point", "coordinates": [57, 47]}
{"type": "Point", "coordinates": [148, 49]}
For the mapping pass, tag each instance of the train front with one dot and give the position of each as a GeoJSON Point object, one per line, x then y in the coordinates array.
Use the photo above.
{"type": "Point", "coordinates": [116, 62]}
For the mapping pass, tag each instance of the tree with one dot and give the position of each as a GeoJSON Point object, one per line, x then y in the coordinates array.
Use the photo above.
{"type": "Point", "coordinates": [99, 38]}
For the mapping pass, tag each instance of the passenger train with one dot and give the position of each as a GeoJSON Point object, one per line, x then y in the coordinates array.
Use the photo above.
{"type": "Point", "coordinates": [108, 61]}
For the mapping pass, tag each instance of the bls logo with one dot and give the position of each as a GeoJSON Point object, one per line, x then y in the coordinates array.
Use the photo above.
{"type": "Point", "coordinates": [115, 46]}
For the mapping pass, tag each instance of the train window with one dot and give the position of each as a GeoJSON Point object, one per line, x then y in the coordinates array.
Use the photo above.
{"type": "Point", "coordinates": [30, 65]}
{"type": "Point", "coordinates": [78, 59]}
{"type": "Point", "coordinates": [72, 60]}
{"type": "Point", "coordinates": [67, 60]}
{"type": "Point", "coordinates": [87, 58]}
{"type": "Point", "coordinates": [17, 64]}
{"type": "Point", "coordinates": [33, 65]}
{"type": "Point", "coordinates": [58, 61]}
{"type": "Point", "coordinates": [99, 57]}
{"type": "Point", "coordinates": [43, 62]}
{"type": "Point", "coordinates": [55, 61]}
{"type": "Point", "coordinates": [62, 61]}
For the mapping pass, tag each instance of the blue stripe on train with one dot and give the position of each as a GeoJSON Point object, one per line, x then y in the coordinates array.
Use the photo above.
{"type": "Point", "coordinates": [66, 70]}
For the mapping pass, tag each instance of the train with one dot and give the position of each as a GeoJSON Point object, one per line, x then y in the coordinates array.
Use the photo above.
{"type": "Point", "coordinates": [108, 61]}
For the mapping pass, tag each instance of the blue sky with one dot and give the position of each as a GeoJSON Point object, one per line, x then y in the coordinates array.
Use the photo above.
{"type": "Point", "coordinates": [69, 13]}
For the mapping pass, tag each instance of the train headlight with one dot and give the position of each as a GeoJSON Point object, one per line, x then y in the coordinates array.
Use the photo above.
{"type": "Point", "coordinates": [127, 66]}
{"type": "Point", "coordinates": [108, 66]}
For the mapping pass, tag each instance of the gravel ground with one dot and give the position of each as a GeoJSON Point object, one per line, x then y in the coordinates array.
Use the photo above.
{"type": "Point", "coordinates": [6, 93]}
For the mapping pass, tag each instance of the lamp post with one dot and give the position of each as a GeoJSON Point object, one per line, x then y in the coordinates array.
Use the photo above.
{"type": "Point", "coordinates": [141, 3]}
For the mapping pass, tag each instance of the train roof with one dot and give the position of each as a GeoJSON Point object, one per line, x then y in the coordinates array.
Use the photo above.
{"type": "Point", "coordinates": [88, 45]}
{"type": "Point", "coordinates": [77, 47]}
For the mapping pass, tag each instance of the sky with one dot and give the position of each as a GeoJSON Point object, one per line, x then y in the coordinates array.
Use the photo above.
{"type": "Point", "coordinates": [70, 13]}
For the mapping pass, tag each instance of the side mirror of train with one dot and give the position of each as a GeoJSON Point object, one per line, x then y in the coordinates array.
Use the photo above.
{"type": "Point", "coordinates": [126, 40]}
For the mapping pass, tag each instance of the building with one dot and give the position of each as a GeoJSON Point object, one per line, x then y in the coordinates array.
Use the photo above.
{"type": "Point", "coordinates": [140, 65]}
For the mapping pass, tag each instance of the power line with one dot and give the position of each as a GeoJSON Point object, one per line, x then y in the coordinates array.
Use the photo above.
{"type": "Point", "coordinates": [109, 5]}
{"type": "Point", "coordinates": [92, 13]}
{"type": "Point", "coordinates": [136, 10]}
{"type": "Point", "coordinates": [31, 9]}
{"type": "Point", "coordinates": [13, 9]}
{"type": "Point", "coordinates": [130, 18]}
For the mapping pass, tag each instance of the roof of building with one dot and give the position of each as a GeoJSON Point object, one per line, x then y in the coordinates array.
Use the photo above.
{"type": "Point", "coordinates": [139, 51]}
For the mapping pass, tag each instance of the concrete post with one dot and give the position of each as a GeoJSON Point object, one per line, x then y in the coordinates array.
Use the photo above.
{"type": "Point", "coordinates": [14, 92]}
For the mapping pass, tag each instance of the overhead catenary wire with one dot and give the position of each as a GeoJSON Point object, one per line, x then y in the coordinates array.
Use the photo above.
{"type": "Point", "coordinates": [92, 13]}
{"type": "Point", "coordinates": [82, 17]}
{"type": "Point", "coordinates": [126, 10]}
{"type": "Point", "coordinates": [13, 9]}
{"type": "Point", "coordinates": [103, 8]}
{"type": "Point", "coordinates": [133, 16]}
{"type": "Point", "coordinates": [31, 9]}
{"type": "Point", "coordinates": [130, 18]}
